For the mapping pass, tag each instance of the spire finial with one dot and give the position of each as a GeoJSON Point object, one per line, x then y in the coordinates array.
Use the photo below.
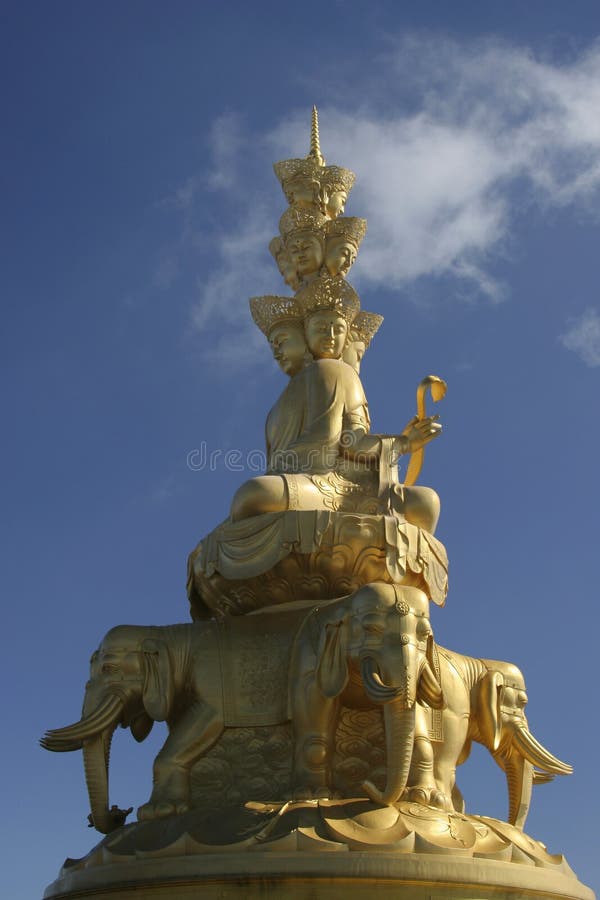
{"type": "Point", "coordinates": [315, 147]}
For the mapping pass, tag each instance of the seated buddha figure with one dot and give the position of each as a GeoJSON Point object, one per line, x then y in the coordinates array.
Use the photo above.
{"type": "Point", "coordinates": [320, 452]}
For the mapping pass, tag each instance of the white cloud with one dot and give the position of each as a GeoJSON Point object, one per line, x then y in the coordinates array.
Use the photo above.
{"type": "Point", "coordinates": [244, 266]}
{"type": "Point", "coordinates": [583, 337]}
{"type": "Point", "coordinates": [449, 140]}
{"type": "Point", "coordinates": [495, 128]}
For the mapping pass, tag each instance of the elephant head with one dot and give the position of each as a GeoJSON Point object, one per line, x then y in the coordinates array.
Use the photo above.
{"type": "Point", "coordinates": [385, 637]}
{"type": "Point", "coordinates": [500, 724]}
{"type": "Point", "coordinates": [130, 685]}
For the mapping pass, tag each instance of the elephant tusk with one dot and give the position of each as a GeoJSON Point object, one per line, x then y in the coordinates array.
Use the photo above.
{"type": "Point", "coordinates": [71, 736]}
{"type": "Point", "coordinates": [536, 754]}
{"type": "Point", "coordinates": [542, 777]}
{"type": "Point", "coordinates": [376, 689]}
{"type": "Point", "coordinates": [430, 689]}
{"type": "Point", "coordinates": [62, 745]}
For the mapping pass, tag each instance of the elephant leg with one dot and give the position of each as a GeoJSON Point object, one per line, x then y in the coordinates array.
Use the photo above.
{"type": "Point", "coordinates": [191, 736]}
{"type": "Point", "coordinates": [446, 756]}
{"type": "Point", "coordinates": [422, 787]}
{"type": "Point", "coordinates": [315, 719]}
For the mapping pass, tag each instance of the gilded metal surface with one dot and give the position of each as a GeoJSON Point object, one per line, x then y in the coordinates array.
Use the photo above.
{"type": "Point", "coordinates": [309, 707]}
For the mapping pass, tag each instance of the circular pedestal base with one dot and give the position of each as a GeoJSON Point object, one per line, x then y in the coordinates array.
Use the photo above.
{"type": "Point", "coordinates": [304, 850]}
{"type": "Point", "coordinates": [305, 876]}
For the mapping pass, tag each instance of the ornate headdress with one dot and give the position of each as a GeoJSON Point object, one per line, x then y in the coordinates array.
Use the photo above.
{"type": "Point", "coordinates": [315, 192]}
{"type": "Point", "coordinates": [365, 326]}
{"type": "Point", "coordinates": [349, 227]}
{"type": "Point", "coordinates": [326, 292]}
{"type": "Point", "coordinates": [288, 169]}
{"type": "Point", "coordinates": [294, 220]}
{"type": "Point", "coordinates": [308, 167]}
{"type": "Point", "coordinates": [270, 310]}
{"type": "Point", "coordinates": [335, 178]}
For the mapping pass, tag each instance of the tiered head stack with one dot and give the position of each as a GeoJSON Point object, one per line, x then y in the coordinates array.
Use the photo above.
{"type": "Point", "coordinates": [316, 245]}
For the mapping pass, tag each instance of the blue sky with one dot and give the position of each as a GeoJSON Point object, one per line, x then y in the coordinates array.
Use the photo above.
{"type": "Point", "coordinates": [138, 202]}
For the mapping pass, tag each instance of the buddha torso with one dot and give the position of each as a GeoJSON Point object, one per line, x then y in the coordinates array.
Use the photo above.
{"type": "Point", "coordinates": [305, 427]}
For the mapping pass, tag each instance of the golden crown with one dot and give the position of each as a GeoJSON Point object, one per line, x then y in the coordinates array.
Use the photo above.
{"type": "Point", "coordinates": [349, 227]}
{"type": "Point", "coordinates": [294, 220]}
{"type": "Point", "coordinates": [335, 178]}
{"type": "Point", "coordinates": [365, 326]}
{"type": "Point", "coordinates": [328, 292]}
{"type": "Point", "coordinates": [269, 310]}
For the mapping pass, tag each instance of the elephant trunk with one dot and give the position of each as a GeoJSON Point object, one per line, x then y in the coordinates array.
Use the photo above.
{"type": "Point", "coordinates": [96, 758]}
{"type": "Point", "coordinates": [400, 734]}
{"type": "Point", "coordinates": [96, 754]}
{"type": "Point", "coordinates": [71, 737]}
{"type": "Point", "coordinates": [525, 743]}
{"type": "Point", "coordinates": [519, 780]}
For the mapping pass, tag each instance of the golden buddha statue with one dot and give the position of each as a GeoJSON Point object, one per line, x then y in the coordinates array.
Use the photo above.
{"type": "Point", "coordinates": [321, 454]}
{"type": "Point", "coordinates": [309, 706]}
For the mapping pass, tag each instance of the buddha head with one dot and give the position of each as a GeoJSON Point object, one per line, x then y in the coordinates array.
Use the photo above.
{"type": "Point", "coordinates": [302, 190]}
{"type": "Point", "coordinates": [286, 268]}
{"type": "Point", "coordinates": [336, 184]}
{"type": "Point", "coordinates": [364, 327]}
{"type": "Point", "coordinates": [326, 333]}
{"type": "Point", "coordinates": [343, 238]}
{"type": "Point", "coordinates": [330, 306]}
{"type": "Point", "coordinates": [306, 252]}
{"type": "Point", "coordinates": [289, 345]}
{"type": "Point", "coordinates": [299, 179]}
{"type": "Point", "coordinates": [281, 321]}
{"type": "Point", "coordinates": [303, 240]}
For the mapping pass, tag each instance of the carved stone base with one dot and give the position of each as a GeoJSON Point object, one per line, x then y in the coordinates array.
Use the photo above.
{"type": "Point", "coordinates": [324, 848]}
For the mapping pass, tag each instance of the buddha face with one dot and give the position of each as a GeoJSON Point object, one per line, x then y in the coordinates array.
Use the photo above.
{"type": "Point", "coordinates": [287, 270]}
{"type": "Point", "coordinates": [326, 332]}
{"type": "Point", "coordinates": [341, 254]}
{"type": "Point", "coordinates": [301, 191]}
{"type": "Point", "coordinates": [305, 252]}
{"type": "Point", "coordinates": [354, 352]}
{"type": "Point", "coordinates": [336, 203]}
{"type": "Point", "coordinates": [288, 346]}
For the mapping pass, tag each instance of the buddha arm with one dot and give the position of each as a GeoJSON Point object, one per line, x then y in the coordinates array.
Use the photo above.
{"type": "Point", "coordinates": [368, 446]}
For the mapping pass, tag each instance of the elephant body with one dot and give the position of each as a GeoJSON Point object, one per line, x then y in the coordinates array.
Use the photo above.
{"type": "Point", "coordinates": [374, 648]}
{"type": "Point", "coordinates": [259, 669]}
{"type": "Point", "coordinates": [199, 678]}
{"type": "Point", "coordinates": [484, 702]}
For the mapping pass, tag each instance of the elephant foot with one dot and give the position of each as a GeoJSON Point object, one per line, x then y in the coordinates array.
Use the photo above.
{"type": "Point", "coordinates": [161, 810]}
{"type": "Point", "coordinates": [428, 796]}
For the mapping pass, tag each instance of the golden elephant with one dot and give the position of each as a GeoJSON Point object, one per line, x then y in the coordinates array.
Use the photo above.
{"type": "Point", "coordinates": [485, 702]}
{"type": "Point", "coordinates": [368, 649]}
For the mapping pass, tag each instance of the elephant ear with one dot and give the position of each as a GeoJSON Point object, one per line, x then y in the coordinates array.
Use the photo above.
{"type": "Point", "coordinates": [332, 666]}
{"type": "Point", "coordinates": [157, 695]}
{"type": "Point", "coordinates": [141, 726]}
{"type": "Point", "coordinates": [488, 709]}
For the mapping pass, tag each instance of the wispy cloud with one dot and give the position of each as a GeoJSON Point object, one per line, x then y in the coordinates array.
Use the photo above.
{"type": "Point", "coordinates": [583, 337]}
{"type": "Point", "coordinates": [495, 129]}
{"type": "Point", "coordinates": [226, 140]}
{"type": "Point", "coordinates": [243, 263]}
{"type": "Point", "coordinates": [449, 140]}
